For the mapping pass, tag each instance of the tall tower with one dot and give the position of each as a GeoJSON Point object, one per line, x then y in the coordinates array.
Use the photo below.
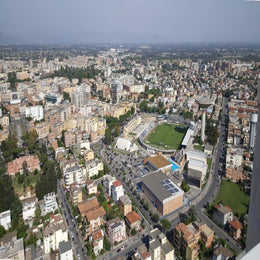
{"type": "Point", "coordinates": [204, 103]}
{"type": "Point", "coordinates": [253, 229]}
{"type": "Point", "coordinates": [252, 135]}
{"type": "Point", "coordinates": [203, 123]}
{"type": "Point", "coordinates": [114, 92]}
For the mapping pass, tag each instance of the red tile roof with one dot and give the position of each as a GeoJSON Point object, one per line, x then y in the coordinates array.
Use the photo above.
{"type": "Point", "coordinates": [236, 224]}
{"type": "Point", "coordinates": [117, 183]}
{"type": "Point", "coordinates": [132, 217]}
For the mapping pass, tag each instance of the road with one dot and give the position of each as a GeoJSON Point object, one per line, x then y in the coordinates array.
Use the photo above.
{"type": "Point", "coordinates": [75, 235]}
{"type": "Point", "coordinates": [212, 187]}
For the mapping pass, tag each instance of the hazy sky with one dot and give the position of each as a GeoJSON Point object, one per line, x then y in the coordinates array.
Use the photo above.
{"type": "Point", "coordinates": [83, 21]}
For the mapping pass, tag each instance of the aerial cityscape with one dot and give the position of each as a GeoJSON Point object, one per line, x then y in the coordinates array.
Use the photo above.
{"type": "Point", "coordinates": [129, 142]}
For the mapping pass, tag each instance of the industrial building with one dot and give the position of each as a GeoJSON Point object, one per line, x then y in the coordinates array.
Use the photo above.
{"type": "Point", "coordinates": [165, 196]}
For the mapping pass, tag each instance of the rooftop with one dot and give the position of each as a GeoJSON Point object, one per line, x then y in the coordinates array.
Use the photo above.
{"type": "Point", "coordinates": [161, 186]}
{"type": "Point", "coordinates": [125, 200]}
{"type": "Point", "coordinates": [159, 161]}
{"type": "Point", "coordinates": [133, 217]}
{"type": "Point", "coordinates": [64, 247]}
{"type": "Point", "coordinates": [88, 205]}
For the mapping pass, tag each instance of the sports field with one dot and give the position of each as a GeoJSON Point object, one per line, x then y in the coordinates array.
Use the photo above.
{"type": "Point", "coordinates": [167, 136]}
{"type": "Point", "coordinates": [230, 195]}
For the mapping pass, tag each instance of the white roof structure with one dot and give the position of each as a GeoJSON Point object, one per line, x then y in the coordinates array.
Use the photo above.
{"type": "Point", "coordinates": [186, 139]}
{"type": "Point", "coordinates": [123, 144]}
{"type": "Point", "coordinates": [196, 163]}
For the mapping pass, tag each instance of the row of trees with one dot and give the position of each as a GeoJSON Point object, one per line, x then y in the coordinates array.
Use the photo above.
{"type": "Point", "coordinates": [76, 73]}
{"type": "Point", "coordinates": [114, 125]}
{"type": "Point", "coordinates": [145, 108]}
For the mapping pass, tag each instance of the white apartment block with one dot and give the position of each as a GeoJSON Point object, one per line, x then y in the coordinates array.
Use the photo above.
{"type": "Point", "coordinates": [117, 190]}
{"type": "Point", "coordinates": [65, 250]}
{"type": "Point", "coordinates": [234, 157]}
{"type": "Point", "coordinates": [73, 174]}
{"type": "Point", "coordinates": [116, 230]}
{"type": "Point", "coordinates": [36, 112]}
{"type": "Point", "coordinates": [5, 219]}
{"type": "Point", "coordinates": [93, 167]}
{"type": "Point", "coordinates": [107, 183]}
{"type": "Point", "coordinates": [53, 235]}
{"type": "Point", "coordinates": [29, 206]}
{"type": "Point", "coordinates": [50, 203]}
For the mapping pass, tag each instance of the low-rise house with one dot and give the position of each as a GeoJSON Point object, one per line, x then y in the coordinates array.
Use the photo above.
{"type": "Point", "coordinates": [125, 204]}
{"type": "Point", "coordinates": [133, 220]}
{"type": "Point", "coordinates": [65, 250]}
{"type": "Point", "coordinates": [208, 148]}
{"type": "Point", "coordinates": [235, 228]}
{"type": "Point", "coordinates": [16, 166]}
{"type": "Point", "coordinates": [223, 253]}
{"type": "Point", "coordinates": [117, 190]}
{"type": "Point", "coordinates": [11, 247]}
{"type": "Point", "coordinates": [29, 207]}
{"type": "Point", "coordinates": [5, 219]}
{"type": "Point", "coordinates": [159, 246]}
{"type": "Point", "coordinates": [96, 240]}
{"type": "Point", "coordinates": [222, 214]}
{"type": "Point", "coordinates": [116, 230]}
{"type": "Point", "coordinates": [235, 174]}
{"type": "Point", "coordinates": [91, 187]}
{"type": "Point", "coordinates": [54, 233]}
{"type": "Point", "coordinates": [93, 213]}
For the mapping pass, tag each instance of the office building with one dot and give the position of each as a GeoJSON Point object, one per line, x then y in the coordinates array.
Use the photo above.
{"type": "Point", "coordinates": [165, 196]}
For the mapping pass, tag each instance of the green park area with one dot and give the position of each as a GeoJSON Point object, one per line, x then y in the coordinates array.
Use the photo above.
{"type": "Point", "coordinates": [232, 196]}
{"type": "Point", "coordinates": [167, 136]}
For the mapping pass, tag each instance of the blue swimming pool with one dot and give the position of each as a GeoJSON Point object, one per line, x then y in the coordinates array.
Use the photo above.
{"type": "Point", "coordinates": [175, 166]}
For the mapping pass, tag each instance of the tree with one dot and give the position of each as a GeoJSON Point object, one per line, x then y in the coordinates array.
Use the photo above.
{"type": "Point", "coordinates": [66, 96]}
{"type": "Point", "coordinates": [116, 130]}
{"type": "Point", "coordinates": [48, 181]}
{"type": "Point", "coordinates": [156, 218]}
{"type": "Point", "coordinates": [107, 244]}
{"type": "Point", "coordinates": [133, 232]}
{"type": "Point", "coordinates": [132, 110]}
{"type": "Point", "coordinates": [184, 186]}
{"type": "Point", "coordinates": [108, 136]}
{"type": "Point", "coordinates": [166, 224]}
{"type": "Point", "coordinates": [2, 231]}
{"type": "Point", "coordinates": [25, 168]}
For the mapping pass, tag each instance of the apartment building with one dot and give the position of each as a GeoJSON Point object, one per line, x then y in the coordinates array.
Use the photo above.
{"type": "Point", "coordinates": [222, 214]}
{"type": "Point", "coordinates": [159, 246]}
{"type": "Point", "coordinates": [116, 230]}
{"type": "Point", "coordinates": [125, 204]}
{"type": "Point", "coordinates": [186, 238]}
{"type": "Point", "coordinates": [117, 190]}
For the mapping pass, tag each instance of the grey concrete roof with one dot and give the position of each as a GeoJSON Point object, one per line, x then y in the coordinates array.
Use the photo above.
{"type": "Point", "coordinates": [64, 247]}
{"type": "Point", "coordinates": [153, 182]}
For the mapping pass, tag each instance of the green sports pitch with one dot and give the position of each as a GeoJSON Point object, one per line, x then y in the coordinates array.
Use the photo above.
{"type": "Point", "coordinates": [166, 136]}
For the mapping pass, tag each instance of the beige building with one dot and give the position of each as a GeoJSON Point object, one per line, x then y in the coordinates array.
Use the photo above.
{"type": "Point", "coordinates": [54, 233]}
{"type": "Point", "coordinates": [165, 196]}
{"type": "Point", "coordinates": [159, 246]}
{"type": "Point", "coordinates": [125, 204]}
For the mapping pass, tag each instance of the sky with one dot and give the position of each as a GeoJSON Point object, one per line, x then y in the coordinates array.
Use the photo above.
{"type": "Point", "coordinates": [130, 21]}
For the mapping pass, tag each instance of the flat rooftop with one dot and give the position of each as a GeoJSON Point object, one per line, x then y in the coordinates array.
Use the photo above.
{"type": "Point", "coordinates": [159, 161]}
{"type": "Point", "coordinates": [161, 186]}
